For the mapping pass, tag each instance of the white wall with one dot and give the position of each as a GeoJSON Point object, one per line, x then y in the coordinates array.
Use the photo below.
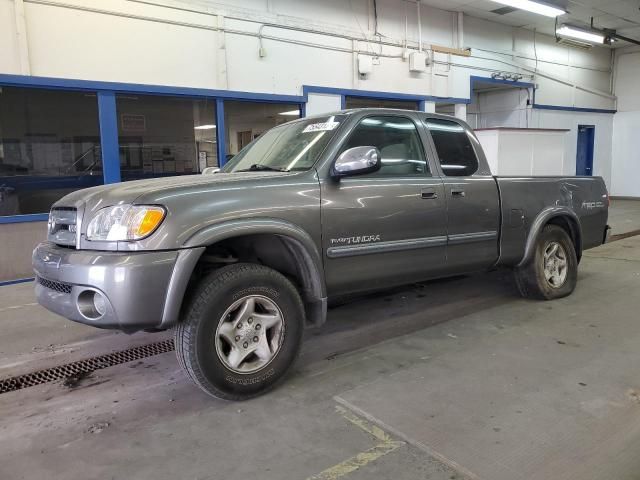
{"type": "Point", "coordinates": [9, 51]}
{"type": "Point", "coordinates": [139, 43]}
{"type": "Point", "coordinates": [524, 152]}
{"type": "Point", "coordinates": [570, 120]}
{"type": "Point", "coordinates": [500, 108]}
{"type": "Point", "coordinates": [626, 130]}
{"type": "Point", "coordinates": [508, 108]}
{"type": "Point", "coordinates": [315, 42]}
{"type": "Point", "coordinates": [319, 103]}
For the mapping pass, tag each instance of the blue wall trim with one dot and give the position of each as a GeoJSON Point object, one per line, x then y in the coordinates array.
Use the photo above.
{"type": "Point", "coordinates": [15, 282]}
{"type": "Point", "coordinates": [475, 79]}
{"type": "Point", "coordinates": [69, 84]}
{"type": "Point", "coordinates": [496, 81]}
{"type": "Point", "coordinates": [108, 118]}
{"type": "Point", "coordinates": [221, 134]}
{"type": "Point", "coordinates": [90, 85]}
{"type": "Point", "coordinates": [448, 100]}
{"type": "Point", "coordinates": [572, 109]}
{"type": "Point", "coordinates": [34, 217]}
{"type": "Point", "coordinates": [306, 89]}
{"type": "Point", "coordinates": [346, 92]}
{"type": "Point", "coordinates": [109, 122]}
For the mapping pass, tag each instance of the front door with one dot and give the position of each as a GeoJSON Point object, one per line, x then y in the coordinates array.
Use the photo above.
{"type": "Point", "coordinates": [584, 156]}
{"type": "Point", "coordinates": [473, 203]}
{"type": "Point", "coordinates": [388, 227]}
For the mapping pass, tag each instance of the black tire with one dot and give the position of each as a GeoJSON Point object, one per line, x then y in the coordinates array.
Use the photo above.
{"type": "Point", "coordinates": [531, 279]}
{"type": "Point", "coordinates": [195, 335]}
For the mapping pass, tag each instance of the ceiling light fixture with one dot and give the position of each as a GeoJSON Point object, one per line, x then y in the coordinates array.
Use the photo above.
{"type": "Point", "coordinates": [580, 34]}
{"type": "Point", "coordinates": [540, 8]}
{"type": "Point", "coordinates": [205, 127]}
{"type": "Point", "coordinates": [291, 113]}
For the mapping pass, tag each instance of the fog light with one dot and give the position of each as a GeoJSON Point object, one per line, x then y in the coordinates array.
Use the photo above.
{"type": "Point", "coordinates": [99, 303]}
{"type": "Point", "coordinates": [92, 304]}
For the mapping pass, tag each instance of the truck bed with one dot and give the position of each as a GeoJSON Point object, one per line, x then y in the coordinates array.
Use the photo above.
{"type": "Point", "coordinates": [529, 202]}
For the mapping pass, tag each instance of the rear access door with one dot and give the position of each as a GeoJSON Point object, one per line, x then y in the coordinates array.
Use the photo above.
{"type": "Point", "coordinates": [471, 193]}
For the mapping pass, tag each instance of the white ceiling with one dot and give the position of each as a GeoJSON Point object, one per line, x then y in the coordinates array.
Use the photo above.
{"type": "Point", "coordinates": [621, 15]}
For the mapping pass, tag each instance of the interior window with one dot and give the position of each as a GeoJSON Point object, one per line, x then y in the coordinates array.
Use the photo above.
{"type": "Point", "coordinates": [455, 152]}
{"type": "Point", "coordinates": [397, 140]}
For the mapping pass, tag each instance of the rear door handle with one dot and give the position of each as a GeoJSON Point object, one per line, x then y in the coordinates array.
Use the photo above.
{"type": "Point", "coordinates": [458, 192]}
{"type": "Point", "coordinates": [429, 194]}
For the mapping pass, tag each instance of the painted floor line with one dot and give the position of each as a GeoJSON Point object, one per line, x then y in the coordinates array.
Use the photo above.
{"type": "Point", "coordinates": [425, 448]}
{"type": "Point", "coordinates": [15, 307]}
{"type": "Point", "coordinates": [384, 446]}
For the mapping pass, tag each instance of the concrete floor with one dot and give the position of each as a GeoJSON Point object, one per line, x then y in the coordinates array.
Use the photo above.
{"type": "Point", "coordinates": [446, 380]}
{"type": "Point", "coordinates": [624, 216]}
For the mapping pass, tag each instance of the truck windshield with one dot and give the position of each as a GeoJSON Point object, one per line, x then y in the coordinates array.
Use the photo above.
{"type": "Point", "coordinates": [291, 147]}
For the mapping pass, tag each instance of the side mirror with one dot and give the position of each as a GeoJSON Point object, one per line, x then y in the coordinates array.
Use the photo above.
{"type": "Point", "coordinates": [210, 170]}
{"type": "Point", "coordinates": [357, 161]}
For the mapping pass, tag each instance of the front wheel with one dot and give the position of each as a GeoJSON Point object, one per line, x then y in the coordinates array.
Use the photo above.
{"type": "Point", "coordinates": [552, 272]}
{"type": "Point", "coordinates": [241, 331]}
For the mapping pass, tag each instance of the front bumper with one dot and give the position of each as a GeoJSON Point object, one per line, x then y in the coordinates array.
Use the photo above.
{"type": "Point", "coordinates": [132, 287]}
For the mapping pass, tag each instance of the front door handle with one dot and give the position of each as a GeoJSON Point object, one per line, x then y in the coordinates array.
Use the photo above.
{"type": "Point", "coordinates": [458, 192]}
{"type": "Point", "coordinates": [429, 194]}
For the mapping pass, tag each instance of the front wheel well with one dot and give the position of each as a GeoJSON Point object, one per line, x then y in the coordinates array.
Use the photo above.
{"type": "Point", "coordinates": [284, 254]}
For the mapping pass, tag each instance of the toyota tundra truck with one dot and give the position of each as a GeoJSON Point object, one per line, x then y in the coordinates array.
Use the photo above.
{"type": "Point", "coordinates": [238, 263]}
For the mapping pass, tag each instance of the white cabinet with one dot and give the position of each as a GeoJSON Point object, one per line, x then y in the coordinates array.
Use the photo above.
{"type": "Point", "coordinates": [524, 151]}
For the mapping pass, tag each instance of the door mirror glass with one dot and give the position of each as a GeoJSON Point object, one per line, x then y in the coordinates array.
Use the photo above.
{"type": "Point", "coordinates": [357, 161]}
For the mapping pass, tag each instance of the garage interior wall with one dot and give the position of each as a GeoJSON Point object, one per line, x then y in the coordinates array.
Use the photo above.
{"type": "Point", "coordinates": [279, 46]}
{"type": "Point", "coordinates": [626, 141]}
{"type": "Point", "coordinates": [246, 50]}
{"type": "Point", "coordinates": [500, 107]}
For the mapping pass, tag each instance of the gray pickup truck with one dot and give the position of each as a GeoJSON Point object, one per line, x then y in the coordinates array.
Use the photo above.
{"type": "Point", "coordinates": [239, 262]}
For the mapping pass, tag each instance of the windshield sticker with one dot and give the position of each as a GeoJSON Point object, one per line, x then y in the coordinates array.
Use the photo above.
{"type": "Point", "coordinates": [321, 127]}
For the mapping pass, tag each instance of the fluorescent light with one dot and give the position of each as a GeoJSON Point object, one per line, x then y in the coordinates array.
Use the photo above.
{"type": "Point", "coordinates": [205, 127]}
{"type": "Point", "coordinates": [540, 8]}
{"type": "Point", "coordinates": [291, 113]}
{"type": "Point", "coordinates": [586, 35]}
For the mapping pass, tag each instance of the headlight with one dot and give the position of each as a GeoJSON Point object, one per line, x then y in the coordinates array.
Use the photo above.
{"type": "Point", "coordinates": [125, 222]}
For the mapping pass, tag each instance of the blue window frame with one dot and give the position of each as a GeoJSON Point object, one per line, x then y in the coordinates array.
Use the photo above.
{"type": "Point", "coordinates": [106, 141]}
{"type": "Point", "coordinates": [49, 146]}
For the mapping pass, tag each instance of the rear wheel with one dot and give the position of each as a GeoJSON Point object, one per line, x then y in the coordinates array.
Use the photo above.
{"type": "Point", "coordinates": [241, 331]}
{"type": "Point", "coordinates": [552, 271]}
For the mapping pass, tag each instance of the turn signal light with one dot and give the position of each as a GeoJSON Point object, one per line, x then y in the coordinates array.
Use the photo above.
{"type": "Point", "coordinates": [150, 222]}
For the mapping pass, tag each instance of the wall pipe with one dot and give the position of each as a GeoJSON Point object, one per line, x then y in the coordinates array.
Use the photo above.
{"type": "Point", "coordinates": [297, 42]}
{"type": "Point", "coordinates": [419, 27]}
{"type": "Point", "coordinates": [325, 32]}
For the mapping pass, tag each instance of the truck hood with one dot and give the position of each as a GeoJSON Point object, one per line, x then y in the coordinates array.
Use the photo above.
{"type": "Point", "coordinates": [197, 202]}
{"type": "Point", "coordinates": [148, 191]}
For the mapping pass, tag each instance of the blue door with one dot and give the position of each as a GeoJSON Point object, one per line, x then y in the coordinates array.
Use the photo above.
{"type": "Point", "coordinates": [584, 158]}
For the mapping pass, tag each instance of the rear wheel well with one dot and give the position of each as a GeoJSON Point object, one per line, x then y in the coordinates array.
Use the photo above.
{"type": "Point", "coordinates": [572, 228]}
{"type": "Point", "coordinates": [283, 254]}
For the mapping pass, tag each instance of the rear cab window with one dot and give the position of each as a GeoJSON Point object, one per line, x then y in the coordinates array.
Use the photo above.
{"type": "Point", "coordinates": [455, 151]}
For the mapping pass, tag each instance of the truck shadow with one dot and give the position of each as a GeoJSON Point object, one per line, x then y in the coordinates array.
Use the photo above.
{"type": "Point", "coordinates": [366, 320]}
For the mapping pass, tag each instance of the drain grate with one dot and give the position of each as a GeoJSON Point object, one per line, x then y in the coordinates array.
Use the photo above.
{"type": "Point", "coordinates": [85, 366]}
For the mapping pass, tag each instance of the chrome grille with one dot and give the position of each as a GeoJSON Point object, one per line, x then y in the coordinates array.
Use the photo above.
{"type": "Point", "coordinates": [62, 226]}
{"type": "Point", "coordinates": [55, 286]}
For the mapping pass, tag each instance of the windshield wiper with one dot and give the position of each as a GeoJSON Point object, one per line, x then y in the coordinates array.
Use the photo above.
{"type": "Point", "coordinates": [258, 167]}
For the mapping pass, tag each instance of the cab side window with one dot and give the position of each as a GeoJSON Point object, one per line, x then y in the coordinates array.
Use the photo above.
{"type": "Point", "coordinates": [455, 152]}
{"type": "Point", "coordinates": [398, 141]}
